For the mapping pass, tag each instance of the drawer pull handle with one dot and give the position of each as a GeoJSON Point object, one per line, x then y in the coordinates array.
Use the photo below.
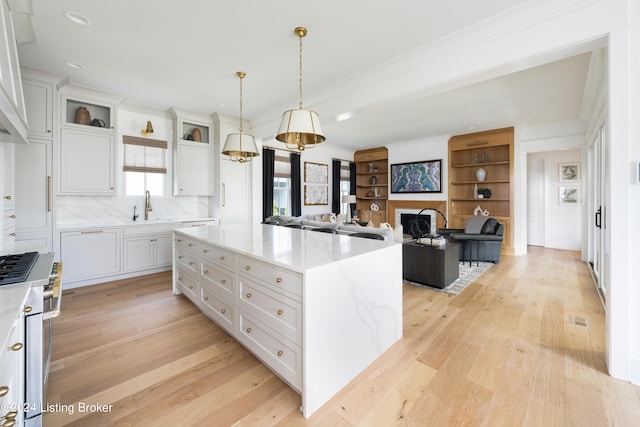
{"type": "Point", "coordinates": [280, 353]}
{"type": "Point", "coordinates": [191, 287]}
{"type": "Point", "coordinates": [12, 217]}
{"type": "Point", "coordinates": [280, 312]}
{"type": "Point", "coordinates": [248, 295]}
{"type": "Point", "coordinates": [4, 390]}
{"type": "Point", "coordinates": [12, 234]}
{"type": "Point", "coordinates": [206, 272]}
{"type": "Point", "coordinates": [7, 197]}
{"type": "Point", "coordinates": [9, 423]}
{"type": "Point", "coordinates": [223, 281]}
{"type": "Point", "coordinates": [223, 311]}
{"type": "Point", "coordinates": [205, 250]}
{"type": "Point", "coordinates": [248, 330]}
{"type": "Point", "coordinates": [278, 279]}
{"type": "Point", "coordinates": [179, 240]}
{"type": "Point", "coordinates": [190, 244]}
{"type": "Point", "coordinates": [180, 257]}
{"type": "Point", "coordinates": [247, 267]}
{"type": "Point", "coordinates": [206, 298]}
{"type": "Point", "coordinates": [10, 416]}
{"type": "Point", "coordinates": [27, 309]}
{"type": "Point", "coordinates": [221, 257]}
{"type": "Point", "coordinates": [191, 263]}
{"type": "Point", "coordinates": [16, 347]}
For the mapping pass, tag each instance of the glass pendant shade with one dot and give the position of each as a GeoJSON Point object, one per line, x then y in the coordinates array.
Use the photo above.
{"type": "Point", "coordinates": [240, 147]}
{"type": "Point", "coordinates": [300, 129]}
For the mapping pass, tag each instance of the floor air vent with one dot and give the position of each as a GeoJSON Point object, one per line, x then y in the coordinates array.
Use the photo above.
{"type": "Point", "coordinates": [579, 321]}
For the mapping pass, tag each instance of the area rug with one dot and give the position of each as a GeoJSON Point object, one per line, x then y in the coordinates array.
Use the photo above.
{"type": "Point", "coordinates": [467, 274]}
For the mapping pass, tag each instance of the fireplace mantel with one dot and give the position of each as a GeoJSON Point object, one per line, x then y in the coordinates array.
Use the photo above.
{"type": "Point", "coordinates": [440, 205]}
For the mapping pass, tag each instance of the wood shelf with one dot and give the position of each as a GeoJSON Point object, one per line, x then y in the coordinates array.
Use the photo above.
{"type": "Point", "coordinates": [466, 155]}
{"type": "Point", "coordinates": [366, 192]}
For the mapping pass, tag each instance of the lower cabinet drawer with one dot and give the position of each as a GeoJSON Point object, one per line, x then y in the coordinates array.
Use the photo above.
{"type": "Point", "coordinates": [281, 355]}
{"type": "Point", "coordinates": [219, 278]}
{"type": "Point", "coordinates": [187, 260]}
{"type": "Point", "coordinates": [188, 283]}
{"type": "Point", "coordinates": [280, 313]}
{"type": "Point", "coordinates": [217, 308]}
{"type": "Point", "coordinates": [278, 278]}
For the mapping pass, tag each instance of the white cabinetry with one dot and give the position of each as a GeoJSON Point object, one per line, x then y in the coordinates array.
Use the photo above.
{"type": "Point", "coordinates": [90, 253]}
{"type": "Point", "coordinates": [34, 198]}
{"type": "Point", "coordinates": [193, 170]}
{"type": "Point", "coordinates": [87, 162]}
{"type": "Point", "coordinates": [38, 98]}
{"type": "Point", "coordinates": [232, 201]}
{"type": "Point", "coordinates": [12, 374]}
{"type": "Point", "coordinates": [7, 203]}
{"type": "Point", "coordinates": [87, 146]}
{"type": "Point", "coordinates": [147, 247]}
{"type": "Point", "coordinates": [193, 156]}
{"type": "Point", "coordinates": [12, 112]}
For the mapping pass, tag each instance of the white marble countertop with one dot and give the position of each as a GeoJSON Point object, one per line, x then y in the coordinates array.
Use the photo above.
{"type": "Point", "coordinates": [292, 248]}
{"type": "Point", "coordinates": [12, 297]}
{"type": "Point", "coordinates": [117, 222]}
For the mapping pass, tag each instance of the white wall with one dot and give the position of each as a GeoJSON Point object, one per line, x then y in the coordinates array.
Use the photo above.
{"type": "Point", "coordinates": [419, 150]}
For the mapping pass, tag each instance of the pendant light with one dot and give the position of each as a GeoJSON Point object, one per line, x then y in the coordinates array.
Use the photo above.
{"type": "Point", "coordinates": [239, 146]}
{"type": "Point", "coordinates": [300, 128]}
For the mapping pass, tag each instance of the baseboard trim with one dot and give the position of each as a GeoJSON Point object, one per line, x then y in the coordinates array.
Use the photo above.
{"type": "Point", "coordinates": [595, 285]}
{"type": "Point", "coordinates": [97, 280]}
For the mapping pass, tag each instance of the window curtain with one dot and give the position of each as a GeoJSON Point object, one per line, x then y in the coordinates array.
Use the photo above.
{"type": "Point", "coordinates": [335, 186]}
{"type": "Point", "coordinates": [268, 172]}
{"type": "Point", "coordinates": [144, 155]}
{"type": "Point", "coordinates": [296, 193]}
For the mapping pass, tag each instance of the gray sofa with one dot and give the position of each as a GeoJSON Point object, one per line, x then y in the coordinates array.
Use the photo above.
{"type": "Point", "coordinates": [310, 223]}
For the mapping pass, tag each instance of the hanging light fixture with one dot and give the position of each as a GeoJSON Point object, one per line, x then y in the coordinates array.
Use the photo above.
{"type": "Point", "coordinates": [300, 128]}
{"type": "Point", "coordinates": [239, 146]}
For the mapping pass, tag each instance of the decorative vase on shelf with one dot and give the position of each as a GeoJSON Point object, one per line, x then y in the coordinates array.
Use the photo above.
{"type": "Point", "coordinates": [475, 191]}
{"type": "Point", "coordinates": [374, 180]}
{"type": "Point", "coordinates": [481, 174]}
{"type": "Point", "coordinates": [82, 116]}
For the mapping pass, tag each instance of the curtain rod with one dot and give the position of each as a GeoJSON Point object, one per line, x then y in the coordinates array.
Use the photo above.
{"type": "Point", "coordinates": [281, 149]}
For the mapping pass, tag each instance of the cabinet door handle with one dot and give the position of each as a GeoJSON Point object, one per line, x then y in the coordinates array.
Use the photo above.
{"type": "Point", "coordinates": [224, 195]}
{"type": "Point", "coordinates": [206, 272]}
{"type": "Point", "coordinates": [12, 234]}
{"type": "Point", "coordinates": [205, 251]}
{"type": "Point", "coordinates": [16, 347]}
{"type": "Point", "coordinates": [248, 295]}
{"type": "Point", "coordinates": [248, 330]}
{"type": "Point", "coordinates": [4, 390]}
{"type": "Point", "coordinates": [221, 257]}
{"type": "Point", "coordinates": [49, 193]}
{"type": "Point", "coordinates": [7, 197]}
{"type": "Point", "coordinates": [91, 232]}
{"type": "Point", "coordinates": [27, 309]}
{"type": "Point", "coordinates": [206, 298]}
{"type": "Point", "coordinates": [12, 217]}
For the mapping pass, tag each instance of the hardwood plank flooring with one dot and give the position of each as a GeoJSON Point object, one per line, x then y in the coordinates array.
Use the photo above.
{"type": "Point", "coordinates": [523, 345]}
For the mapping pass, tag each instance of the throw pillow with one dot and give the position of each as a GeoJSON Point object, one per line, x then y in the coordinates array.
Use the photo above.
{"type": "Point", "coordinates": [325, 218]}
{"type": "Point", "coordinates": [490, 227]}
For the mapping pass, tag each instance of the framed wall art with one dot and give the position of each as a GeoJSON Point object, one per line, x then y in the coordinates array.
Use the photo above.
{"type": "Point", "coordinates": [569, 172]}
{"type": "Point", "coordinates": [316, 195]}
{"type": "Point", "coordinates": [569, 195]}
{"type": "Point", "coordinates": [316, 173]}
{"type": "Point", "coordinates": [417, 177]}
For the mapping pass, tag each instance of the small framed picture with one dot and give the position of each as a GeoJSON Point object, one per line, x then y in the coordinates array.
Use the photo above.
{"type": "Point", "coordinates": [569, 195]}
{"type": "Point", "coordinates": [569, 172]}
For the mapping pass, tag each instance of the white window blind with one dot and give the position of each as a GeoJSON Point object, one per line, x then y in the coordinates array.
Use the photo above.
{"type": "Point", "coordinates": [144, 155]}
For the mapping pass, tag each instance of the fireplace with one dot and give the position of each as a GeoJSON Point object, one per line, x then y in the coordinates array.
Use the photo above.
{"type": "Point", "coordinates": [406, 217]}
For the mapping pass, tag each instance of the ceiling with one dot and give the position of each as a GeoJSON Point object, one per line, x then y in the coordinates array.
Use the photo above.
{"type": "Point", "coordinates": [185, 54]}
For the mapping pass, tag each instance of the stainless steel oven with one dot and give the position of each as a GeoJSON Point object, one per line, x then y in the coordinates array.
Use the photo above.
{"type": "Point", "coordinates": [43, 303]}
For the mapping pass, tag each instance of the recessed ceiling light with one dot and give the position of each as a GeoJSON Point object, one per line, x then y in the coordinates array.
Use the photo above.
{"type": "Point", "coordinates": [472, 127]}
{"type": "Point", "coordinates": [76, 18]}
{"type": "Point", "coordinates": [344, 116]}
{"type": "Point", "coordinates": [74, 65]}
{"type": "Point", "coordinates": [222, 105]}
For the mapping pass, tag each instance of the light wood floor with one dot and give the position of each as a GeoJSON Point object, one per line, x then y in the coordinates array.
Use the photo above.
{"type": "Point", "coordinates": [506, 352]}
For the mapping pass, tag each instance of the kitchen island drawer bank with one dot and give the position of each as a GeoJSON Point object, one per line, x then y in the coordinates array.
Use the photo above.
{"type": "Point", "coordinates": [316, 308]}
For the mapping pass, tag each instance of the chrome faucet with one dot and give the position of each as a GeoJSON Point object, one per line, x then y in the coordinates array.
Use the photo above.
{"type": "Point", "coordinates": [147, 205]}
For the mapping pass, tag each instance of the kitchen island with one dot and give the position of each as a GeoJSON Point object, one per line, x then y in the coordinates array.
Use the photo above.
{"type": "Point", "coordinates": [316, 308]}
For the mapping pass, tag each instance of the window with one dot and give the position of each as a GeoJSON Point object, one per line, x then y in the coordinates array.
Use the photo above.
{"type": "Point", "coordinates": [282, 186]}
{"type": "Point", "coordinates": [345, 186]}
{"type": "Point", "coordinates": [145, 166]}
